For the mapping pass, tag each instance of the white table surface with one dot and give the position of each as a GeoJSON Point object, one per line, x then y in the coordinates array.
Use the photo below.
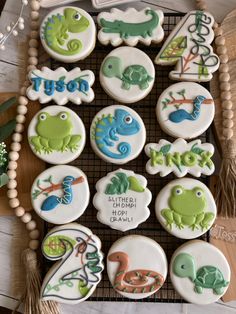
{"type": "Point", "coordinates": [12, 71]}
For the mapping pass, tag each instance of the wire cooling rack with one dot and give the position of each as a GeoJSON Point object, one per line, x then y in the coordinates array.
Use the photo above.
{"type": "Point", "coordinates": [95, 168]}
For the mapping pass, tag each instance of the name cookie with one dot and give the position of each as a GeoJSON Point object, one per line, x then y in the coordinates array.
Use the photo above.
{"type": "Point", "coordinates": [186, 208]}
{"type": "Point", "coordinates": [56, 135]}
{"type": "Point", "coordinates": [131, 26]}
{"type": "Point", "coordinates": [68, 34]}
{"type": "Point", "coordinates": [127, 74]}
{"type": "Point", "coordinates": [199, 272]}
{"type": "Point", "coordinates": [117, 134]}
{"type": "Point", "coordinates": [60, 194]}
{"type": "Point", "coordinates": [136, 266]}
{"type": "Point", "coordinates": [61, 86]}
{"type": "Point", "coordinates": [122, 200]}
{"type": "Point", "coordinates": [180, 158]}
{"type": "Point", "coordinates": [185, 110]}
{"type": "Point", "coordinates": [79, 265]}
{"type": "Point", "coordinates": [189, 48]}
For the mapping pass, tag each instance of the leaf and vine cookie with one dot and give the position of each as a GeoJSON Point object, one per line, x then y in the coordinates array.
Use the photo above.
{"type": "Point", "coordinates": [122, 200]}
{"type": "Point", "coordinates": [68, 34]}
{"type": "Point", "coordinates": [180, 158]}
{"type": "Point", "coordinates": [130, 27]}
{"type": "Point", "coordinates": [199, 272]}
{"type": "Point", "coordinates": [117, 134]}
{"type": "Point", "coordinates": [188, 47]}
{"type": "Point", "coordinates": [61, 86]}
{"type": "Point", "coordinates": [186, 208]}
{"type": "Point", "coordinates": [185, 110]}
{"type": "Point", "coordinates": [56, 135]}
{"type": "Point", "coordinates": [60, 194]}
{"type": "Point", "coordinates": [127, 74]}
{"type": "Point", "coordinates": [79, 265]}
{"type": "Point", "coordinates": [136, 266]}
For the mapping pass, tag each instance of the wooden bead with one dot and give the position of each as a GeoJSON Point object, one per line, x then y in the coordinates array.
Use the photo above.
{"type": "Point", "coordinates": [35, 5]}
{"type": "Point", "coordinates": [220, 41]}
{"type": "Point", "coordinates": [13, 156]}
{"type": "Point", "coordinates": [34, 15]}
{"type": "Point", "coordinates": [33, 52]}
{"type": "Point", "coordinates": [224, 58]}
{"type": "Point", "coordinates": [12, 184]}
{"type": "Point", "coordinates": [33, 43]}
{"type": "Point", "coordinates": [228, 114]}
{"type": "Point", "coordinates": [22, 100]}
{"type": "Point", "coordinates": [13, 203]}
{"type": "Point", "coordinates": [31, 225]}
{"type": "Point", "coordinates": [221, 49]}
{"type": "Point", "coordinates": [17, 137]}
{"type": "Point", "coordinates": [26, 218]}
{"type": "Point", "coordinates": [215, 25]}
{"type": "Point", "coordinates": [228, 133]}
{"type": "Point", "coordinates": [11, 174]}
{"type": "Point", "coordinates": [12, 165]}
{"type": "Point", "coordinates": [225, 86]}
{"type": "Point", "coordinates": [20, 118]}
{"type": "Point", "coordinates": [19, 211]}
{"type": "Point", "coordinates": [19, 128]}
{"type": "Point", "coordinates": [218, 31]}
{"type": "Point", "coordinates": [227, 104]}
{"type": "Point", "coordinates": [30, 68]}
{"type": "Point", "coordinates": [12, 193]}
{"type": "Point", "coordinates": [34, 25]}
{"type": "Point", "coordinates": [226, 95]}
{"type": "Point", "coordinates": [224, 77]}
{"type": "Point", "coordinates": [23, 90]}
{"type": "Point", "coordinates": [16, 147]}
{"type": "Point", "coordinates": [228, 123]}
{"type": "Point", "coordinates": [26, 83]}
{"type": "Point", "coordinates": [34, 234]}
{"type": "Point", "coordinates": [33, 60]}
{"type": "Point", "coordinates": [34, 34]}
{"type": "Point", "coordinates": [21, 109]}
{"type": "Point", "coordinates": [33, 245]}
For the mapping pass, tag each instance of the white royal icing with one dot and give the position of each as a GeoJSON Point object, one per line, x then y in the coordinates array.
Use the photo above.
{"type": "Point", "coordinates": [98, 4]}
{"type": "Point", "coordinates": [180, 158]}
{"type": "Point", "coordinates": [60, 194]}
{"type": "Point", "coordinates": [189, 48]}
{"type": "Point", "coordinates": [77, 272]}
{"type": "Point", "coordinates": [185, 110]}
{"type": "Point", "coordinates": [61, 86]}
{"type": "Point", "coordinates": [122, 200]}
{"type": "Point", "coordinates": [130, 26]}
{"type": "Point", "coordinates": [186, 208]}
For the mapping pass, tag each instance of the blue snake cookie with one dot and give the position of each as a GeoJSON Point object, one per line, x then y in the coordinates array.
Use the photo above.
{"type": "Point", "coordinates": [117, 134]}
{"type": "Point", "coordinates": [185, 110]}
{"type": "Point", "coordinates": [60, 194]}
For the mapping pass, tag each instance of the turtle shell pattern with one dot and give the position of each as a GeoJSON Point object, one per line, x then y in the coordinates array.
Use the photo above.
{"type": "Point", "coordinates": [209, 277]}
{"type": "Point", "coordinates": [135, 74]}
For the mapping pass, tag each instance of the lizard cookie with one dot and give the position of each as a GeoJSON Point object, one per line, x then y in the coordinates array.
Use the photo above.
{"type": "Point", "coordinates": [180, 158]}
{"type": "Point", "coordinates": [61, 86]}
{"type": "Point", "coordinates": [188, 47]}
{"type": "Point", "coordinates": [122, 200]}
{"type": "Point", "coordinates": [68, 34]}
{"type": "Point", "coordinates": [185, 208]}
{"type": "Point", "coordinates": [60, 194]}
{"type": "Point", "coordinates": [56, 135]}
{"type": "Point", "coordinates": [185, 110]}
{"type": "Point", "coordinates": [199, 272]}
{"type": "Point", "coordinates": [117, 134]}
{"type": "Point", "coordinates": [131, 27]}
{"type": "Point", "coordinates": [136, 266]}
{"type": "Point", "coordinates": [77, 272]}
{"type": "Point", "coordinates": [127, 74]}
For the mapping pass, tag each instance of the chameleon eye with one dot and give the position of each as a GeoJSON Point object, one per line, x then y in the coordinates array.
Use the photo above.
{"type": "Point", "coordinates": [128, 119]}
{"type": "Point", "coordinates": [199, 193]}
{"type": "Point", "coordinates": [42, 117]}
{"type": "Point", "coordinates": [63, 116]}
{"type": "Point", "coordinates": [77, 16]}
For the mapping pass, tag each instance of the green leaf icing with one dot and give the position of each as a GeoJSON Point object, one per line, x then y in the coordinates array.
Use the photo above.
{"type": "Point", "coordinates": [175, 49]}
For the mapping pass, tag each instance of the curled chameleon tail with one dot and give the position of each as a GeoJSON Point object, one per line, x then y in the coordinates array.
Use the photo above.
{"type": "Point", "coordinates": [123, 148]}
{"type": "Point", "coordinates": [74, 46]}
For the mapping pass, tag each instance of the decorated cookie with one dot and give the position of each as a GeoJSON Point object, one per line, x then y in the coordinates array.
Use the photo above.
{"type": "Point", "coordinates": [122, 200]}
{"type": "Point", "coordinates": [136, 266]}
{"type": "Point", "coordinates": [180, 158]}
{"type": "Point", "coordinates": [199, 272]}
{"type": "Point", "coordinates": [56, 135]}
{"type": "Point", "coordinates": [79, 265]}
{"type": "Point", "coordinates": [131, 26]}
{"type": "Point", "coordinates": [61, 86]}
{"type": "Point", "coordinates": [189, 48]}
{"type": "Point", "coordinates": [185, 110]}
{"type": "Point", "coordinates": [99, 4]}
{"type": "Point", "coordinates": [117, 134]}
{"type": "Point", "coordinates": [127, 74]}
{"type": "Point", "coordinates": [186, 208]}
{"type": "Point", "coordinates": [68, 34]}
{"type": "Point", "coordinates": [60, 194]}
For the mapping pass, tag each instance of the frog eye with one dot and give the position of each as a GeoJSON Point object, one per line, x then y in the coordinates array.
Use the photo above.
{"type": "Point", "coordinates": [42, 117]}
{"type": "Point", "coordinates": [178, 190]}
{"type": "Point", "coordinates": [199, 193]}
{"type": "Point", "coordinates": [63, 116]}
{"type": "Point", "coordinates": [77, 16]}
{"type": "Point", "coordinates": [128, 119]}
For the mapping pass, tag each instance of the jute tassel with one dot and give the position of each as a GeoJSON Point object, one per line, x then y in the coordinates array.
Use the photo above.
{"type": "Point", "coordinates": [31, 296]}
{"type": "Point", "coordinates": [226, 184]}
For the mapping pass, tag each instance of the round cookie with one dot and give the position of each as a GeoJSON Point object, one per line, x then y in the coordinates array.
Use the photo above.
{"type": "Point", "coordinates": [117, 134]}
{"type": "Point", "coordinates": [127, 74]}
{"type": "Point", "coordinates": [136, 266]}
{"type": "Point", "coordinates": [122, 200]}
{"type": "Point", "coordinates": [56, 135]}
{"type": "Point", "coordinates": [199, 272]}
{"type": "Point", "coordinates": [79, 265]}
{"type": "Point", "coordinates": [185, 208]}
{"type": "Point", "coordinates": [60, 194]}
{"type": "Point", "coordinates": [68, 34]}
{"type": "Point", "coordinates": [185, 110]}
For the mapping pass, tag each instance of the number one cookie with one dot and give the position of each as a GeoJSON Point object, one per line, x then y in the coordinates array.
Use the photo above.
{"type": "Point", "coordinates": [189, 48]}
